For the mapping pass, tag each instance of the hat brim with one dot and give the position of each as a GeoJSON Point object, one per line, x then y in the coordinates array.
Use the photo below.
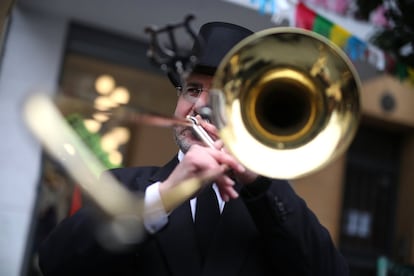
{"type": "Point", "coordinates": [215, 40]}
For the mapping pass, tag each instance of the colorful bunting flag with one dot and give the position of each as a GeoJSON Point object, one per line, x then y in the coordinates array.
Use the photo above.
{"type": "Point", "coordinates": [354, 47]}
{"type": "Point", "coordinates": [264, 4]}
{"type": "Point", "coordinates": [300, 15]}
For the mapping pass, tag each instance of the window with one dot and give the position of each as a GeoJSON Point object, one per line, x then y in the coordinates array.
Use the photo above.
{"type": "Point", "coordinates": [370, 197]}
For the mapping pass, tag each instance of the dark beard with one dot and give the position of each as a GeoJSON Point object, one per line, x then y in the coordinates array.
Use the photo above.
{"type": "Point", "coordinates": [184, 138]}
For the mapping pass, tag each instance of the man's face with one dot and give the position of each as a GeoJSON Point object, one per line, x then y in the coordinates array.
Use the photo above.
{"type": "Point", "coordinates": [192, 97]}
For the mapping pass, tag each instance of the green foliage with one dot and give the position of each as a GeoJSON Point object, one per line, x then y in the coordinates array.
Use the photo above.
{"type": "Point", "coordinates": [364, 8]}
{"type": "Point", "coordinates": [398, 37]}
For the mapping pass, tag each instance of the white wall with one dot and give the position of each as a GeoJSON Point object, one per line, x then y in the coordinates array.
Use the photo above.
{"type": "Point", "coordinates": [33, 52]}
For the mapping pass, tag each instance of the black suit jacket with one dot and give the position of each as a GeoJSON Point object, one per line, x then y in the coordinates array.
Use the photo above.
{"type": "Point", "coordinates": [267, 231]}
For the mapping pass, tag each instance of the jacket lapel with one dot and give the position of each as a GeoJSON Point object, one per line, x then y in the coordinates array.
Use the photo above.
{"type": "Point", "coordinates": [163, 172]}
{"type": "Point", "coordinates": [178, 242]}
{"type": "Point", "coordinates": [231, 246]}
{"type": "Point", "coordinates": [177, 239]}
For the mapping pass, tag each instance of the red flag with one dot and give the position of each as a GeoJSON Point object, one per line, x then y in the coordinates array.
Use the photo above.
{"type": "Point", "coordinates": [305, 17]}
{"type": "Point", "coordinates": [76, 203]}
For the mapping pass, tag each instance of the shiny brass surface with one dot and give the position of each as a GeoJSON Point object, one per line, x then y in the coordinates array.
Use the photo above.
{"type": "Point", "coordinates": [286, 102]}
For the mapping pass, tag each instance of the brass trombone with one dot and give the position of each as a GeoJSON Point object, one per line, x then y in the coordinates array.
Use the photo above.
{"type": "Point", "coordinates": [286, 102]}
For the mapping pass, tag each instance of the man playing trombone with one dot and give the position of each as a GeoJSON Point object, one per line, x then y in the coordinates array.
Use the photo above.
{"type": "Point", "coordinates": [255, 225]}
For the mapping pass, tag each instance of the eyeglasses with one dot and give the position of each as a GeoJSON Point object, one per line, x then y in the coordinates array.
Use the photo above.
{"type": "Point", "coordinates": [191, 91]}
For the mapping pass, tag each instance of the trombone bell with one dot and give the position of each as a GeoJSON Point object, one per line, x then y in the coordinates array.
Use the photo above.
{"type": "Point", "coordinates": [286, 102]}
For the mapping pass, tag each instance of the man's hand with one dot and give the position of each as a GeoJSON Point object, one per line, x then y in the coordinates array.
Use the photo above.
{"type": "Point", "coordinates": [200, 161]}
{"type": "Point", "coordinates": [246, 176]}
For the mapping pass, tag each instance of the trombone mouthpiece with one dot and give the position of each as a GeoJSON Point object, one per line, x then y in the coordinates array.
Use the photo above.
{"type": "Point", "coordinates": [206, 113]}
{"type": "Point", "coordinates": [200, 132]}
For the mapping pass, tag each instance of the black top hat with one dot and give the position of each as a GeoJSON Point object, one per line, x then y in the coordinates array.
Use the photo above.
{"type": "Point", "coordinates": [215, 40]}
